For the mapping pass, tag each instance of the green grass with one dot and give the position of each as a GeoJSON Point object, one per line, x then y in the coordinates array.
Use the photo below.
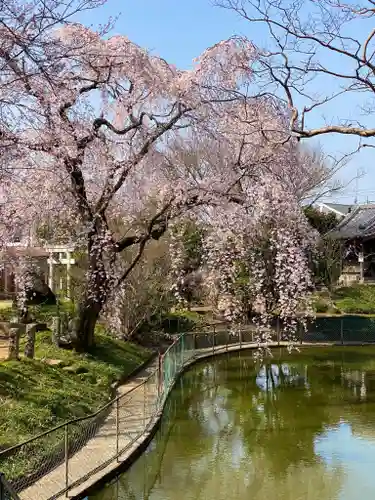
{"type": "Point", "coordinates": [183, 321]}
{"type": "Point", "coordinates": [41, 313]}
{"type": "Point", "coordinates": [5, 304]}
{"type": "Point", "coordinates": [35, 396]}
{"type": "Point", "coordinates": [357, 299]}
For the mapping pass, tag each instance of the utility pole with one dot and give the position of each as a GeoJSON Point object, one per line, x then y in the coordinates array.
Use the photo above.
{"type": "Point", "coordinates": [356, 188]}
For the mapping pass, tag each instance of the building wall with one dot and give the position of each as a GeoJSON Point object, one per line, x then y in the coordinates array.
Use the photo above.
{"type": "Point", "coordinates": [8, 287]}
{"type": "Point", "coordinates": [7, 284]}
{"type": "Point", "coordinates": [350, 274]}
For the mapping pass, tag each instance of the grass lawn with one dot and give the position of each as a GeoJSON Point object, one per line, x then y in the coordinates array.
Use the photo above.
{"type": "Point", "coordinates": [41, 313]}
{"type": "Point", "coordinates": [357, 299]}
{"type": "Point", "coordinates": [5, 304]}
{"type": "Point", "coordinates": [36, 396]}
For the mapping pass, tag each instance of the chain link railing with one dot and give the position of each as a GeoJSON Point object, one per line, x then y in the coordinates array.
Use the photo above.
{"type": "Point", "coordinates": [341, 329]}
{"type": "Point", "coordinates": [52, 464]}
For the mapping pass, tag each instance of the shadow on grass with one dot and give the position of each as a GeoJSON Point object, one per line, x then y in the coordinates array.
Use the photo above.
{"type": "Point", "coordinates": [37, 396]}
{"type": "Point", "coordinates": [353, 292]}
{"type": "Point", "coordinates": [115, 353]}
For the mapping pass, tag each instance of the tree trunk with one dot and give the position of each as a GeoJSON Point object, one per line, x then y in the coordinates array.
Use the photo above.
{"type": "Point", "coordinates": [93, 299]}
{"type": "Point", "coordinates": [88, 314]}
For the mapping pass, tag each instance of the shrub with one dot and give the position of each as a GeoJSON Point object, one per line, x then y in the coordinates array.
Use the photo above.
{"type": "Point", "coordinates": [182, 321]}
{"type": "Point", "coordinates": [321, 306]}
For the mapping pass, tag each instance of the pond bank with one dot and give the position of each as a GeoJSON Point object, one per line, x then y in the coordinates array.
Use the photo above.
{"type": "Point", "coordinates": [134, 421]}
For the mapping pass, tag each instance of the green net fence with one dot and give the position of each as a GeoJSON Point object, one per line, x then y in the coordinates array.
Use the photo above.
{"type": "Point", "coordinates": [343, 329]}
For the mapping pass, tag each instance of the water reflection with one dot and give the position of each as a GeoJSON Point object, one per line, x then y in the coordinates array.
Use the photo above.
{"type": "Point", "coordinates": [300, 426]}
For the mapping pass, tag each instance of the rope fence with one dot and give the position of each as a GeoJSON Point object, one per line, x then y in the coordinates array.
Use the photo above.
{"type": "Point", "coordinates": [61, 459]}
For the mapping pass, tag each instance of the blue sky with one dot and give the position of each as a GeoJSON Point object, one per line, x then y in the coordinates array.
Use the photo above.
{"type": "Point", "coordinates": [341, 448]}
{"type": "Point", "coordinates": [179, 31]}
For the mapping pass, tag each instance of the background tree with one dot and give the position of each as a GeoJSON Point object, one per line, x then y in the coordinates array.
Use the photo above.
{"type": "Point", "coordinates": [146, 297]}
{"type": "Point", "coordinates": [320, 54]}
{"type": "Point", "coordinates": [322, 222]}
{"type": "Point", "coordinates": [326, 260]}
{"type": "Point", "coordinates": [188, 235]}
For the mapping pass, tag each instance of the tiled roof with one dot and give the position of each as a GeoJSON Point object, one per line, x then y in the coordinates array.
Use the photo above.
{"type": "Point", "coordinates": [343, 209]}
{"type": "Point", "coordinates": [14, 251]}
{"type": "Point", "coordinates": [359, 223]}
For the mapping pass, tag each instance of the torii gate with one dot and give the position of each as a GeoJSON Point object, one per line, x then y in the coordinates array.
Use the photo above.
{"type": "Point", "coordinates": [64, 258]}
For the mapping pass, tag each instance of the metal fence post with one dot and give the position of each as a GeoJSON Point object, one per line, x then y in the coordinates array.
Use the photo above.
{"type": "Point", "coordinates": [159, 376]}
{"type": "Point", "coordinates": [182, 342]}
{"type": "Point", "coordinates": [162, 373]}
{"type": "Point", "coordinates": [342, 331]}
{"type": "Point", "coordinates": [66, 447]}
{"type": "Point", "coordinates": [240, 337]}
{"type": "Point", "coordinates": [278, 330]}
{"type": "Point", "coordinates": [144, 404]}
{"type": "Point", "coordinates": [117, 426]}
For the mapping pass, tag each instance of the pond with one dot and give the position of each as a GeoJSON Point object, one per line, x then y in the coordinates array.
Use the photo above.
{"type": "Point", "coordinates": [296, 427]}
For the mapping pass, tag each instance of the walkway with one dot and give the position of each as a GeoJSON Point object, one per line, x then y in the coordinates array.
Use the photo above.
{"type": "Point", "coordinates": [103, 445]}
{"type": "Point", "coordinates": [137, 416]}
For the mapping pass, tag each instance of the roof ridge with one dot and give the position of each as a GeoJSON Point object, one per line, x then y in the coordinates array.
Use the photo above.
{"type": "Point", "coordinates": [348, 217]}
{"type": "Point", "coordinates": [370, 224]}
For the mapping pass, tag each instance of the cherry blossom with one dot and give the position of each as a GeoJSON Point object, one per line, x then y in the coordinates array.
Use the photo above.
{"type": "Point", "coordinates": [91, 128]}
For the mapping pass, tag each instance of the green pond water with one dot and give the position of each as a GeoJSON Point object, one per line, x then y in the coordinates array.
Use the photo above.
{"type": "Point", "coordinates": [296, 427]}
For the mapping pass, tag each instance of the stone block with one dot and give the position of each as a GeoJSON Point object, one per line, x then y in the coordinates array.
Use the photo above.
{"type": "Point", "coordinates": [30, 340]}
{"type": "Point", "coordinates": [14, 343]}
{"type": "Point", "coordinates": [56, 330]}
